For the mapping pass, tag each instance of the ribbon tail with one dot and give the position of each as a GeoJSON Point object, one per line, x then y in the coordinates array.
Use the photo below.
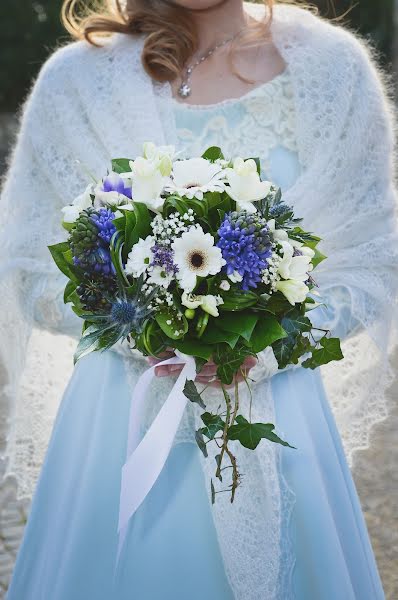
{"type": "Point", "coordinates": [146, 460]}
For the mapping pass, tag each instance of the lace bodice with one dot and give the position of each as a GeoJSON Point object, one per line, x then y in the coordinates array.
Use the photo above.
{"type": "Point", "coordinates": [260, 123]}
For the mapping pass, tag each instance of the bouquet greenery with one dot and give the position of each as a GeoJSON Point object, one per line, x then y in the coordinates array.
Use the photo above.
{"type": "Point", "coordinates": [202, 256]}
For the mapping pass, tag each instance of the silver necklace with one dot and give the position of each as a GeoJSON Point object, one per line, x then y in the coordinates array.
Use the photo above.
{"type": "Point", "coordinates": [185, 88]}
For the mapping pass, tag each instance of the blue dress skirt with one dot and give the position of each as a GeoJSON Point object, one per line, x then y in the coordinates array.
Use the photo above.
{"type": "Point", "coordinates": [171, 550]}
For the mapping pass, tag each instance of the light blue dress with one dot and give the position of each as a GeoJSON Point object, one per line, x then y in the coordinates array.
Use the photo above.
{"type": "Point", "coordinates": [171, 550]}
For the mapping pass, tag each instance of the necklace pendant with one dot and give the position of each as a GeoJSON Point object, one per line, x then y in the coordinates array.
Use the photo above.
{"type": "Point", "coordinates": [184, 90]}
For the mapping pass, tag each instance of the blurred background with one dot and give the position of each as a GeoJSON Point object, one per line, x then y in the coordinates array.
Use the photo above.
{"type": "Point", "coordinates": [29, 31]}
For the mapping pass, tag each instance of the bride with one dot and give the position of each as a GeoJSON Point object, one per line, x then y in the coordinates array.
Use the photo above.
{"type": "Point", "coordinates": [274, 81]}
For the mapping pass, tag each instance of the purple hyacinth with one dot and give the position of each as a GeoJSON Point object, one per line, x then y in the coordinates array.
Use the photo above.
{"type": "Point", "coordinates": [103, 219]}
{"type": "Point", "coordinates": [163, 257]}
{"type": "Point", "coordinates": [114, 183]}
{"type": "Point", "coordinates": [245, 244]}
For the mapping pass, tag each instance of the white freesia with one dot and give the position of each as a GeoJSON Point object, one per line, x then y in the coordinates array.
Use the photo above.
{"type": "Point", "coordinates": [208, 303]}
{"type": "Point", "coordinates": [303, 249]}
{"type": "Point", "coordinates": [194, 177]}
{"type": "Point", "coordinates": [72, 211]}
{"type": "Point", "coordinates": [161, 155]}
{"type": "Point", "coordinates": [293, 290]}
{"type": "Point", "coordinates": [140, 257]}
{"type": "Point", "coordinates": [245, 185]}
{"type": "Point", "coordinates": [196, 256]}
{"type": "Point", "coordinates": [159, 276]}
{"type": "Point", "coordinates": [279, 235]}
{"type": "Point", "coordinates": [293, 267]}
{"type": "Point", "coordinates": [148, 182]}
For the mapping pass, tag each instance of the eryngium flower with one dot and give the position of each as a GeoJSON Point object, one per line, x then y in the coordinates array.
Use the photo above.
{"type": "Point", "coordinates": [245, 243]}
{"type": "Point", "coordinates": [89, 240]}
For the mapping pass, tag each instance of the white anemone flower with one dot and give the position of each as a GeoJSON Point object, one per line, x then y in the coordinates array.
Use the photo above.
{"type": "Point", "coordinates": [140, 257]}
{"type": "Point", "coordinates": [245, 185]}
{"type": "Point", "coordinates": [208, 303]}
{"type": "Point", "coordinates": [72, 211]}
{"type": "Point", "coordinates": [194, 177]}
{"type": "Point", "coordinates": [159, 276]}
{"type": "Point", "coordinates": [196, 256]}
{"type": "Point", "coordinates": [293, 290]}
{"type": "Point", "coordinates": [294, 267]}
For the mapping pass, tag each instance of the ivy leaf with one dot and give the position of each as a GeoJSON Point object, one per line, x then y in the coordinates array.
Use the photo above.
{"type": "Point", "coordinates": [201, 442]}
{"type": "Point", "coordinates": [302, 346]}
{"type": "Point", "coordinates": [229, 360]}
{"type": "Point", "coordinates": [194, 348]}
{"type": "Point", "coordinates": [218, 461]}
{"type": "Point", "coordinates": [214, 424]}
{"type": "Point", "coordinates": [191, 392]}
{"type": "Point", "coordinates": [236, 300]}
{"type": "Point", "coordinates": [321, 356]}
{"type": "Point", "coordinates": [266, 332]}
{"type": "Point", "coordinates": [251, 434]}
{"type": "Point", "coordinates": [244, 324]}
{"type": "Point", "coordinates": [295, 322]}
{"type": "Point", "coordinates": [214, 335]}
{"type": "Point", "coordinates": [200, 363]}
{"type": "Point", "coordinates": [283, 350]}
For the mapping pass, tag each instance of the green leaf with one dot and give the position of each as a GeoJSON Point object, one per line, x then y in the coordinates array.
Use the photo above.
{"type": "Point", "coordinates": [214, 424]}
{"type": "Point", "coordinates": [213, 335]}
{"type": "Point", "coordinates": [303, 345]}
{"type": "Point", "coordinates": [60, 253]}
{"type": "Point", "coordinates": [318, 257]}
{"type": "Point", "coordinates": [172, 323]}
{"type": "Point", "coordinates": [229, 360]}
{"type": "Point", "coordinates": [121, 165]}
{"type": "Point", "coordinates": [236, 300]}
{"type": "Point", "coordinates": [90, 340]}
{"type": "Point", "coordinates": [243, 325]}
{"type": "Point", "coordinates": [283, 350]}
{"type": "Point", "coordinates": [213, 153]}
{"type": "Point", "coordinates": [277, 304]}
{"type": "Point", "coordinates": [201, 442]}
{"type": "Point", "coordinates": [295, 322]}
{"type": "Point", "coordinates": [266, 332]}
{"type": "Point", "coordinates": [329, 351]}
{"type": "Point", "coordinates": [191, 392]}
{"type": "Point", "coordinates": [194, 348]}
{"type": "Point", "coordinates": [251, 434]}
{"type": "Point", "coordinates": [70, 288]}
{"type": "Point", "coordinates": [212, 491]}
{"type": "Point", "coordinates": [218, 461]}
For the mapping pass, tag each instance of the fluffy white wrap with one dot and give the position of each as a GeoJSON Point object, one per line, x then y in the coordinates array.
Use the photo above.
{"type": "Point", "coordinates": [93, 104]}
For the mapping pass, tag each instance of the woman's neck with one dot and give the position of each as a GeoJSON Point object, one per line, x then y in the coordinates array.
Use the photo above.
{"type": "Point", "coordinates": [219, 23]}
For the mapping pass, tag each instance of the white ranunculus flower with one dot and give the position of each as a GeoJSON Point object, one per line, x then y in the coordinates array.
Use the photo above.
{"type": "Point", "coordinates": [194, 177]}
{"type": "Point", "coordinates": [148, 183]}
{"type": "Point", "coordinates": [293, 290]}
{"type": "Point", "coordinates": [293, 267]}
{"type": "Point", "coordinates": [208, 303]}
{"type": "Point", "coordinates": [140, 257]}
{"type": "Point", "coordinates": [72, 211]}
{"type": "Point", "coordinates": [158, 276]}
{"type": "Point", "coordinates": [279, 235]}
{"type": "Point", "coordinates": [196, 256]}
{"type": "Point", "coordinates": [245, 185]}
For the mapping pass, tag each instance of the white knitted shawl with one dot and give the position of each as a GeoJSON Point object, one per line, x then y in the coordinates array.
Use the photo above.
{"type": "Point", "coordinates": [93, 104]}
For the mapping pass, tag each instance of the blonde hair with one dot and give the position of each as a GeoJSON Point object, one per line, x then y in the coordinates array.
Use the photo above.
{"type": "Point", "coordinates": [171, 37]}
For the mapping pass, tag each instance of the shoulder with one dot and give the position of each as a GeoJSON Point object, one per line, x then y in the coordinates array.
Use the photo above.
{"type": "Point", "coordinates": [78, 63]}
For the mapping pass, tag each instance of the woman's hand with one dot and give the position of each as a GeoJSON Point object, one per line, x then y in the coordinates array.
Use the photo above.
{"type": "Point", "coordinates": [208, 374]}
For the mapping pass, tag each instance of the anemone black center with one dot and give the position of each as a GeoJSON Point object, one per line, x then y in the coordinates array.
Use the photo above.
{"type": "Point", "coordinates": [197, 260]}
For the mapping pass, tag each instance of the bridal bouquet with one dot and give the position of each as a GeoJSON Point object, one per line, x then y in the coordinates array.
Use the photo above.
{"type": "Point", "coordinates": [200, 256]}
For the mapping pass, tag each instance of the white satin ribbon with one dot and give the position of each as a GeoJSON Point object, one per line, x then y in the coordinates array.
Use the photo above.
{"type": "Point", "coordinates": [145, 459]}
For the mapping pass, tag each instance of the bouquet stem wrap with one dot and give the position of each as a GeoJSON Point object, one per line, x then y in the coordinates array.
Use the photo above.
{"type": "Point", "coordinates": [145, 459]}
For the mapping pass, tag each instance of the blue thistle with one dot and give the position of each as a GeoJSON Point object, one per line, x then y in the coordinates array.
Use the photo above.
{"type": "Point", "coordinates": [245, 243]}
